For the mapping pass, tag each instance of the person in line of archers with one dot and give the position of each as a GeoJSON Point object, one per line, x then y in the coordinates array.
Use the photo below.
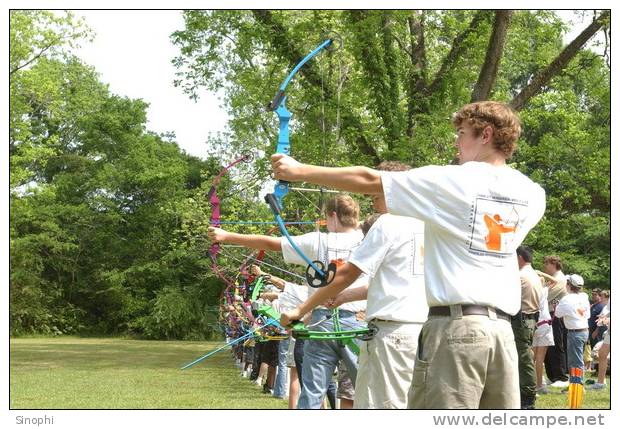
{"type": "Point", "coordinates": [391, 254]}
{"type": "Point", "coordinates": [290, 296]}
{"type": "Point", "coordinates": [466, 356]}
{"type": "Point", "coordinates": [320, 358]}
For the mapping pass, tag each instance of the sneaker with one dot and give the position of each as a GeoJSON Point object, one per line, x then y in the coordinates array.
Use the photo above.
{"type": "Point", "coordinates": [542, 390]}
{"type": "Point", "coordinates": [559, 383]}
{"type": "Point", "coordinates": [590, 381]}
{"type": "Point", "coordinates": [597, 386]}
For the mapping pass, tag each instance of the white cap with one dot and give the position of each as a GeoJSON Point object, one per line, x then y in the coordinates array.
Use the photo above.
{"type": "Point", "coordinates": [575, 280]}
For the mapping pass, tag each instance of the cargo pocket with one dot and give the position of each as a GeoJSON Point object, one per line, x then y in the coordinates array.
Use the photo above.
{"type": "Point", "coordinates": [417, 392]}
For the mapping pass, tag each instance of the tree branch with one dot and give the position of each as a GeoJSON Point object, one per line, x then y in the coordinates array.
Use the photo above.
{"type": "Point", "coordinates": [30, 61]}
{"type": "Point", "coordinates": [542, 78]}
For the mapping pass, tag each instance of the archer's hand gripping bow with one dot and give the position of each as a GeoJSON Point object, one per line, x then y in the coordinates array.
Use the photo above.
{"type": "Point", "coordinates": [300, 331]}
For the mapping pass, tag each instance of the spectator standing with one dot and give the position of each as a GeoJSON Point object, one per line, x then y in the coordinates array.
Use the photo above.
{"type": "Point", "coordinates": [524, 324]}
{"type": "Point", "coordinates": [543, 335]}
{"type": "Point", "coordinates": [600, 328]}
{"type": "Point", "coordinates": [574, 308]}
{"type": "Point", "coordinates": [555, 359]}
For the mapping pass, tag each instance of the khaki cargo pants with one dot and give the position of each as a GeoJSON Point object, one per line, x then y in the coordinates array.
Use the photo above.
{"type": "Point", "coordinates": [465, 362]}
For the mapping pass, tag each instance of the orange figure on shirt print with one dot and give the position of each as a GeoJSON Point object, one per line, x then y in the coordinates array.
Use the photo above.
{"type": "Point", "coordinates": [496, 227]}
{"type": "Point", "coordinates": [494, 223]}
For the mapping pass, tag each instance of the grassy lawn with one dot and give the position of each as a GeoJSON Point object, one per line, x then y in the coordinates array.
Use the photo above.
{"type": "Point", "coordinates": [70, 373]}
{"type": "Point", "coordinates": [74, 373]}
{"type": "Point", "coordinates": [592, 399]}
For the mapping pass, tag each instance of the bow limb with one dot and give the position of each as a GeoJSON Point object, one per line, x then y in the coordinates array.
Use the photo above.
{"type": "Point", "coordinates": [281, 189]}
{"type": "Point", "coordinates": [214, 200]}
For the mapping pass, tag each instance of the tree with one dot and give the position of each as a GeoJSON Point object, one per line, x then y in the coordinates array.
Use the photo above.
{"type": "Point", "coordinates": [92, 193]}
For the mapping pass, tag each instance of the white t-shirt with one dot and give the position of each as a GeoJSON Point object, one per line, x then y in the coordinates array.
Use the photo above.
{"type": "Point", "coordinates": [605, 311]}
{"type": "Point", "coordinates": [392, 254]}
{"type": "Point", "coordinates": [575, 309]}
{"type": "Point", "coordinates": [326, 247]}
{"type": "Point", "coordinates": [544, 305]}
{"type": "Point", "coordinates": [291, 297]}
{"type": "Point", "coordinates": [475, 215]}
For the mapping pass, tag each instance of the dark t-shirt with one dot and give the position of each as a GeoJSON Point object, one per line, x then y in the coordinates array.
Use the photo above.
{"type": "Point", "coordinates": [595, 310]}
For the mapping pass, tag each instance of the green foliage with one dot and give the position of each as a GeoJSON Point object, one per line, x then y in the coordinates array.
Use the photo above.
{"type": "Point", "coordinates": [91, 192]}
{"type": "Point", "coordinates": [171, 317]}
{"type": "Point", "coordinates": [566, 150]}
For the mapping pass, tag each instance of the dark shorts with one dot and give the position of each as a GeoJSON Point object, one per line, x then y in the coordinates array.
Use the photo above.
{"type": "Point", "coordinates": [269, 353]}
{"type": "Point", "coordinates": [248, 354]}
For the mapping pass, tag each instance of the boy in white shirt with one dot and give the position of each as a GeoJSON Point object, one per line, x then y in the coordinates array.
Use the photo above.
{"type": "Point", "coordinates": [574, 308]}
{"type": "Point", "coordinates": [392, 255]}
{"type": "Point", "coordinates": [476, 214]}
{"type": "Point", "coordinates": [320, 357]}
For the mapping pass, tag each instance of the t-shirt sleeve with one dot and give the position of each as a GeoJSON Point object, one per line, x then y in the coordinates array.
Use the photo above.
{"type": "Point", "coordinates": [562, 309]}
{"type": "Point", "coordinates": [412, 193]}
{"type": "Point", "coordinates": [605, 311]}
{"type": "Point", "coordinates": [370, 254]}
{"type": "Point", "coordinates": [307, 243]}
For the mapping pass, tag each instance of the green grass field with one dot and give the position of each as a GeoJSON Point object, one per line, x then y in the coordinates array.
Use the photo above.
{"type": "Point", "coordinates": [70, 373]}
{"type": "Point", "coordinates": [75, 373]}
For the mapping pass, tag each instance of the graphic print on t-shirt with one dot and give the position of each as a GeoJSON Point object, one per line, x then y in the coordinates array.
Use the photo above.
{"type": "Point", "coordinates": [494, 222]}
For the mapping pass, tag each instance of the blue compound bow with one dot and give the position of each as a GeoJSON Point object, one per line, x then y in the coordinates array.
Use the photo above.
{"type": "Point", "coordinates": [317, 275]}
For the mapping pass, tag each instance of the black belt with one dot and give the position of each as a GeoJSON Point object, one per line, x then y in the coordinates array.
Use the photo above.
{"type": "Point", "coordinates": [468, 310]}
{"type": "Point", "coordinates": [523, 316]}
{"type": "Point", "coordinates": [577, 330]}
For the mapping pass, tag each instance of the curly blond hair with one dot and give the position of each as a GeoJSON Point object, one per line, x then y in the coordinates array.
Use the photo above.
{"type": "Point", "coordinates": [504, 121]}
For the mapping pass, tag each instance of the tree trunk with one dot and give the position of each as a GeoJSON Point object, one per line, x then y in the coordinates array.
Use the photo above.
{"type": "Point", "coordinates": [488, 72]}
{"type": "Point", "coordinates": [417, 78]}
{"type": "Point", "coordinates": [392, 117]}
